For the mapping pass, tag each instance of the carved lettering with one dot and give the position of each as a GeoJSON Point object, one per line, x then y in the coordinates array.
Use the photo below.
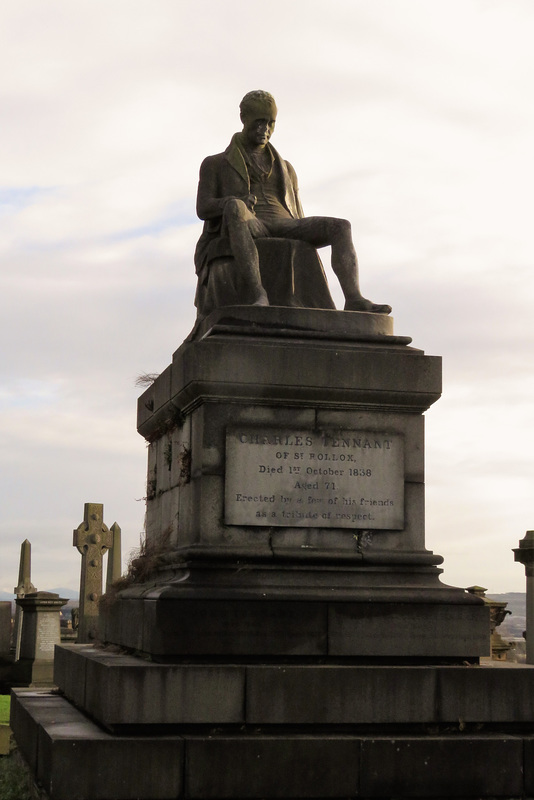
{"type": "Point", "coordinates": [335, 479]}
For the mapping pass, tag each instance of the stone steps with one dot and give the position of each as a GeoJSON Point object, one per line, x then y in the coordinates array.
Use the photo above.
{"type": "Point", "coordinates": [118, 689]}
{"type": "Point", "coordinates": [72, 757]}
{"type": "Point", "coordinates": [123, 727]}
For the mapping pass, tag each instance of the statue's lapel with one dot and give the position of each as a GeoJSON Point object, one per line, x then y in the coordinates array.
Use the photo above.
{"type": "Point", "coordinates": [235, 159]}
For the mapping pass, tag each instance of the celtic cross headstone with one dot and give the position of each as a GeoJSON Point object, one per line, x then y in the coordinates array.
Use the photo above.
{"type": "Point", "coordinates": [92, 538]}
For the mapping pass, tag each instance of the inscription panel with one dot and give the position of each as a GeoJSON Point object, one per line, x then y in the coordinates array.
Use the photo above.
{"type": "Point", "coordinates": [322, 479]}
{"type": "Point", "coordinates": [47, 633]}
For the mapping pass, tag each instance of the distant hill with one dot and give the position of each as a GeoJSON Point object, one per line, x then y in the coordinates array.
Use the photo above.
{"type": "Point", "coordinates": [70, 594]}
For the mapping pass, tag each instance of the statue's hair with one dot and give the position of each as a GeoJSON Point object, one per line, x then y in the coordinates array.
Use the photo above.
{"type": "Point", "coordinates": [253, 99]}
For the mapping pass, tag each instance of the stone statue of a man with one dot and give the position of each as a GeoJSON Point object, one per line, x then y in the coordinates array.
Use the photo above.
{"type": "Point", "coordinates": [249, 192]}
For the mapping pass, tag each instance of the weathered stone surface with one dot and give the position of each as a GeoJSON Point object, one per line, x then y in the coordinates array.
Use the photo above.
{"type": "Point", "coordinates": [125, 629]}
{"type": "Point", "coordinates": [73, 758]}
{"type": "Point", "coordinates": [271, 766]}
{"type": "Point", "coordinates": [414, 629]}
{"type": "Point", "coordinates": [40, 634]}
{"type": "Point", "coordinates": [70, 662]}
{"type": "Point", "coordinates": [304, 758]}
{"type": "Point", "coordinates": [528, 767]}
{"type": "Point", "coordinates": [442, 766]}
{"type": "Point", "coordinates": [5, 626]}
{"type": "Point", "coordinates": [300, 371]}
{"type": "Point", "coordinates": [298, 323]}
{"type": "Point", "coordinates": [296, 618]}
{"type": "Point", "coordinates": [484, 694]}
{"type": "Point", "coordinates": [125, 691]}
{"type": "Point", "coordinates": [235, 628]}
{"type": "Point", "coordinates": [30, 710]}
{"type": "Point", "coordinates": [339, 695]}
{"type": "Point", "coordinates": [117, 689]}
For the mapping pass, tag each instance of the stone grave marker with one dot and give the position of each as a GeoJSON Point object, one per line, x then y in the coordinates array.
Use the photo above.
{"type": "Point", "coordinates": [24, 587]}
{"type": "Point", "coordinates": [114, 569]}
{"type": "Point", "coordinates": [5, 627]}
{"type": "Point", "coordinates": [92, 538]}
{"type": "Point", "coordinates": [40, 634]}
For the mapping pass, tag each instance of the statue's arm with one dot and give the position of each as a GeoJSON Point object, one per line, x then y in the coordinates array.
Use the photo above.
{"type": "Point", "coordinates": [209, 204]}
{"type": "Point", "coordinates": [210, 201]}
{"type": "Point", "coordinates": [295, 185]}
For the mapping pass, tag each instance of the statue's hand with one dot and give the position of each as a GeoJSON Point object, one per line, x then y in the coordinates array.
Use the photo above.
{"type": "Point", "coordinates": [250, 201]}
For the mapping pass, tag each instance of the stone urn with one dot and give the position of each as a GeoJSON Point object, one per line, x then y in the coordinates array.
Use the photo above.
{"type": "Point", "coordinates": [498, 612]}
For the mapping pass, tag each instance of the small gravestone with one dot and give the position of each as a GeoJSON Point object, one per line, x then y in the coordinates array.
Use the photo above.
{"type": "Point", "coordinates": [114, 569]}
{"type": "Point", "coordinates": [40, 634]}
{"type": "Point", "coordinates": [5, 627]}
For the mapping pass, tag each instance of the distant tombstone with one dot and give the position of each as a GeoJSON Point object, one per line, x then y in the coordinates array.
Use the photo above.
{"type": "Point", "coordinates": [40, 634]}
{"type": "Point", "coordinates": [5, 627]}
{"type": "Point", "coordinates": [23, 587]}
{"type": "Point", "coordinates": [524, 554]}
{"type": "Point", "coordinates": [92, 538]}
{"type": "Point", "coordinates": [114, 570]}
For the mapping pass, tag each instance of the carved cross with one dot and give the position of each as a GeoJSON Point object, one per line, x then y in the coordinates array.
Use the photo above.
{"type": "Point", "coordinates": [92, 538]}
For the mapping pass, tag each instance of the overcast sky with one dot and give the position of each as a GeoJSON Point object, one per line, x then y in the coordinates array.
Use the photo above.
{"type": "Point", "coordinates": [412, 118]}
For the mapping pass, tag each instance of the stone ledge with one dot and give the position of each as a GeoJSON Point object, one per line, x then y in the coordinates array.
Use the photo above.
{"type": "Point", "coordinates": [126, 690]}
{"type": "Point", "coordinates": [75, 758]}
{"type": "Point", "coordinates": [290, 322]}
{"type": "Point", "coordinates": [71, 757]}
{"type": "Point", "coordinates": [172, 626]}
{"type": "Point", "coordinates": [341, 372]}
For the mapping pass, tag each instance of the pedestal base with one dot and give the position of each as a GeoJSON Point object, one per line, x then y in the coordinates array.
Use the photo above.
{"type": "Point", "coordinates": [290, 637]}
{"type": "Point", "coordinates": [285, 497]}
{"type": "Point", "coordinates": [209, 730]}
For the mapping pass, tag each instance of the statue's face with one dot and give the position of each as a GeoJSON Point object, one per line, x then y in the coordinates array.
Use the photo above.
{"type": "Point", "coordinates": [258, 131]}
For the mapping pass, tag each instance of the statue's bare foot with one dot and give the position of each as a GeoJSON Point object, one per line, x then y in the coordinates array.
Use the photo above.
{"type": "Point", "coordinates": [361, 304]}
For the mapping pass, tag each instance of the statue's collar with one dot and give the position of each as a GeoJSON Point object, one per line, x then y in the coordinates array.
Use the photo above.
{"type": "Point", "coordinates": [235, 154]}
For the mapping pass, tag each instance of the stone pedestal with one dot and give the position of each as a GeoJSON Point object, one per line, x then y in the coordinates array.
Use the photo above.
{"type": "Point", "coordinates": [285, 497]}
{"type": "Point", "coordinates": [40, 635]}
{"type": "Point", "coordinates": [287, 634]}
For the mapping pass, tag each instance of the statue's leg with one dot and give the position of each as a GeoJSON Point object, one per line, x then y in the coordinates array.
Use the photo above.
{"type": "Point", "coordinates": [323, 231]}
{"type": "Point", "coordinates": [345, 265]}
{"type": "Point", "coordinates": [240, 224]}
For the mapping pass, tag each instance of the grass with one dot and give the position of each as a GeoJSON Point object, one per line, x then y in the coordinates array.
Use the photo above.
{"type": "Point", "coordinates": [15, 783]}
{"type": "Point", "coordinates": [14, 779]}
{"type": "Point", "coordinates": [4, 709]}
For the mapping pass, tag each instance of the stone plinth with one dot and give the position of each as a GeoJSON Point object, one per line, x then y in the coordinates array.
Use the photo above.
{"type": "Point", "coordinates": [285, 510]}
{"type": "Point", "coordinates": [197, 730]}
{"type": "Point", "coordinates": [291, 637]}
{"type": "Point", "coordinates": [40, 635]}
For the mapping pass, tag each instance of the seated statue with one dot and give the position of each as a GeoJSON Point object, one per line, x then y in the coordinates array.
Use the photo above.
{"type": "Point", "coordinates": [248, 197]}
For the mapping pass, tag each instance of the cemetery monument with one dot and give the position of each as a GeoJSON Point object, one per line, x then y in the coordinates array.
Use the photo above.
{"type": "Point", "coordinates": [290, 635]}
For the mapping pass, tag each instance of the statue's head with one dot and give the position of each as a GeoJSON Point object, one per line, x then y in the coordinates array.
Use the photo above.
{"type": "Point", "coordinates": [258, 115]}
{"type": "Point", "coordinates": [258, 105]}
